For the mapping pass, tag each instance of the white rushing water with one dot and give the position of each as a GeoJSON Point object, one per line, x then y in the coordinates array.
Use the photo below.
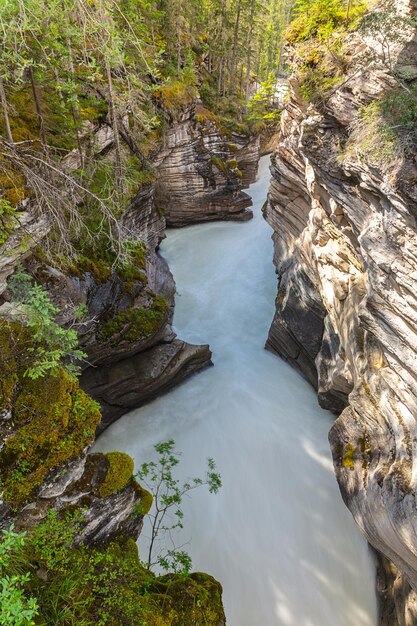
{"type": "Point", "coordinates": [277, 535]}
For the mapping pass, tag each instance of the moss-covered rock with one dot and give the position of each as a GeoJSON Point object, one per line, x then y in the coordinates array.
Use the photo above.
{"type": "Point", "coordinates": [137, 323]}
{"type": "Point", "coordinates": [146, 499]}
{"type": "Point", "coordinates": [52, 419]}
{"type": "Point", "coordinates": [119, 473]}
{"type": "Point", "coordinates": [174, 96]}
{"type": "Point", "coordinates": [196, 599]}
{"type": "Point", "coordinates": [108, 586]}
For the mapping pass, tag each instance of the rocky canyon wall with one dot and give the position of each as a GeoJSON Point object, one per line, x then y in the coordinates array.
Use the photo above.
{"type": "Point", "coordinates": [202, 169]}
{"type": "Point", "coordinates": [343, 206]}
{"type": "Point", "coordinates": [199, 171]}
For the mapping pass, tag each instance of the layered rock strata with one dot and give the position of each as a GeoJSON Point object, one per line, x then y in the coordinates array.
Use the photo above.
{"type": "Point", "coordinates": [201, 171]}
{"type": "Point", "coordinates": [132, 382]}
{"type": "Point", "coordinates": [344, 221]}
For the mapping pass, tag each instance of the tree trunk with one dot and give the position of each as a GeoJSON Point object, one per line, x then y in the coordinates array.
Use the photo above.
{"type": "Point", "coordinates": [249, 58]}
{"type": "Point", "coordinates": [113, 119]}
{"type": "Point", "coordinates": [74, 108]}
{"type": "Point", "coordinates": [37, 101]}
{"type": "Point", "coordinates": [235, 44]}
{"type": "Point", "coordinates": [3, 102]}
{"type": "Point", "coordinates": [221, 71]}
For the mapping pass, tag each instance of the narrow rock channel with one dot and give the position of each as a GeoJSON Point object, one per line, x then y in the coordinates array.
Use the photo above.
{"type": "Point", "coordinates": [277, 536]}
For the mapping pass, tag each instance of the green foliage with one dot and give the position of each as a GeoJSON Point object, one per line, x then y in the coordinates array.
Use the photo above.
{"type": "Point", "coordinates": [220, 165]}
{"type": "Point", "coordinates": [8, 220]}
{"type": "Point", "coordinates": [53, 345]}
{"type": "Point", "coordinates": [388, 27]}
{"type": "Point", "coordinates": [107, 586]}
{"type": "Point", "coordinates": [315, 84]}
{"type": "Point", "coordinates": [53, 419]}
{"type": "Point", "coordinates": [261, 111]}
{"type": "Point", "coordinates": [385, 129]}
{"type": "Point", "coordinates": [322, 66]}
{"type": "Point", "coordinates": [399, 108]}
{"type": "Point", "coordinates": [319, 18]}
{"type": "Point", "coordinates": [103, 184]}
{"type": "Point", "coordinates": [146, 499]}
{"type": "Point", "coordinates": [132, 268]}
{"type": "Point", "coordinates": [175, 95]}
{"type": "Point", "coordinates": [119, 473]}
{"type": "Point", "coordinates": [16, 607]}
{"type": "Point", "coordinates": [168, 493]}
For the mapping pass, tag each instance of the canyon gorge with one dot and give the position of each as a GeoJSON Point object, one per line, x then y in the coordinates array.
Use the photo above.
{"type": "Point", "coordinates": [137, 291]}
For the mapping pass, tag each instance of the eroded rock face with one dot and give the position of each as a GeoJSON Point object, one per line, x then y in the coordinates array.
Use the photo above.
{"type": "Point", "coordinates": [76, 485]}
{"type": "Point", "coordinates": [125, 373]}
{"type": "Point", "coordinates": [345, 251]}
{"type": "Point", "coordinates": [397, 599]}
{"type": "Point", "coordinates": [201, 172]}
{"type": "Point", "coordinates": [32, 229]}
{"type": "Point", "coordinates": [129, 383]}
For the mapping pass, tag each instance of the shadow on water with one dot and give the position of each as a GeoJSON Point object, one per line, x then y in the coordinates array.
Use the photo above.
{"type": "Point", "coordinates": [277, 535]}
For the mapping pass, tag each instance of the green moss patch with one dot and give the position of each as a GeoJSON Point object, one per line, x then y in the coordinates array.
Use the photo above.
{"type": "Point", "coordinates": [119, 473]}
{"type": "Point", "coordinates": [220, 165]}
{"type": "Point", "coordinates": [146, 499]}
{"type": "Point", "coordinates": [348, 459]}
{"type": "Point", "coordinates": [12, 184]}
{"type": "Point", "coordinates": [136, 323]}
{"type": "Point", "coordinates": [175, 95]}
{"type": "Point", "coordinates": [53, 420]}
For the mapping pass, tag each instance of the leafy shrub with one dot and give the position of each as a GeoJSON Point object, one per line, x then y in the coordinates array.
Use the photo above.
{"type": "Point", "coordinates": [386, 128]}
{"type": "Point", "coordinates": [8, 220]}
{"type": "Point", "coordinates": [168, 492]}
{"type": "Point", "coordinates": [53, 346]}
{"type": "Point", "coordinates": [319, 18]}
{"type": "Point", "coordinates": [17, 608]}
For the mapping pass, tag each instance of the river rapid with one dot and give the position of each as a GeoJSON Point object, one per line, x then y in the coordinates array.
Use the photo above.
{"type": "Point", "coordinates": [277, 535]}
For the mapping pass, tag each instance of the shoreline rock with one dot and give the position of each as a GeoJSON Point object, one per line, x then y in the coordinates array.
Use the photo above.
{"type": "Point", "coordinates": [130, 383]}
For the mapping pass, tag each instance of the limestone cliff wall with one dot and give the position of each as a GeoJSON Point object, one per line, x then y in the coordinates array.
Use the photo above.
{"type": "Point", "coordinates": [345, 235]}
{"type": "Point", "coordinates": [201, 171]}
